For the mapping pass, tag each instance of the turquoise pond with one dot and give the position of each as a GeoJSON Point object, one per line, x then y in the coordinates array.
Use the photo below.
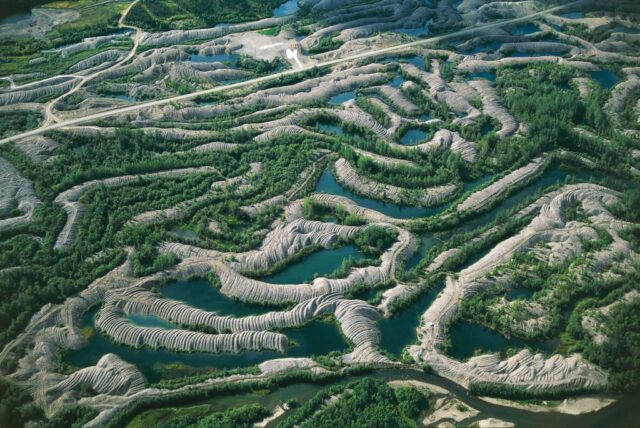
{"type": "Point", "coordinates": [605, 78]}
{"type": "Point", "coordinates": [415, 32]}
{"type": "Point", "coordinates": [519, 293]}
{"type": "Point", "coordinates": [340, 98]}
{"type": "Point", "coordinates": [320, 263]}
{"type": "Point", "coordinates": [399, 331]}
{"type": "Point", "coordinates": [418, 61]}
{"type": "Point", "coordinates": [486, 129]}
{"type": "Point", "coordinates": [413, 136]}
{"type": "Point", "coordinates": [314, 338]}
{"type": "Point", "coordinates": [202, 295]}
{"type": "Point", "coordinates": [142, 320]}
{"type": "Point", "coordinates": [287, 8]}
{"type": "Point", "coordinates": [466, 338]}
{"type": "Point", "coordinates": [330, 128]}
{"type": "Point", "coordinates": [573, 15]}
{"type": "Point", "coordinates": [328, 184]}
{"type": "Point", "coordinates": [487, 75]}
{"type": "Point", "coordinates": [229, 59]}
{"type": "Point", "coordinates": [396, 82]}
{"type": "Point", "coordinates": [554, 174]}
{"type": "Point", "coordinates": [426, 242]}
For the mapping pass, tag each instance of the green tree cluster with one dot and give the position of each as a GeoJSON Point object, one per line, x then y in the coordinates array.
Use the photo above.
{"type": "Point", "coordinates": [368, 402]}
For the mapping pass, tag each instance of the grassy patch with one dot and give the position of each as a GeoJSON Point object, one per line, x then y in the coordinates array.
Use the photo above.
{"type": "Point", "coordinates": [165, 14]}
{"type": "Point", "coordinates": [273, 31]}
{"type": "Point", "coordinates": [14, 122]}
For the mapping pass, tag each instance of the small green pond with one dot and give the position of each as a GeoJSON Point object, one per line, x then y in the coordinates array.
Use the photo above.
{"type": "Point", "coordinates": [202, 295]}
{"type": "Point", "coordinates": [328, 184]}
{"type": "Point", "coordinates": [330, 128]}
{"type": "Point", "coordinates": [399, 330]}
{"type": "Point", "coordinates": [554, 174]}
{"type": "Point", "coordinates": [426, 241]}
{"type": "Point", "coordinates": [467, 337]}
{"type": "Point", "coordinates": [519, 293]}
{"type": "Point", "coordinates": [320, 263]}
{"type": "Point", "coordinates": [341, 98]}
{"type": "Point", "coordinates": [414, 136]}
{"type": "Point", "coordinates": [142, 320]}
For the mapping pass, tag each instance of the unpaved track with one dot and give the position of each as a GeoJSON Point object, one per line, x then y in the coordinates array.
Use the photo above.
{"type": "Point", "coordinates": [49, 116]}
{"type": "Point", "coordinates": [296, 189]}
{"type": "Point", "coordinates": [372, 53]}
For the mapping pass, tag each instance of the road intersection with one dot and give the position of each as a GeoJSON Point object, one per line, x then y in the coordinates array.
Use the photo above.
{"type": "Point", "coordinates": [367, 54]}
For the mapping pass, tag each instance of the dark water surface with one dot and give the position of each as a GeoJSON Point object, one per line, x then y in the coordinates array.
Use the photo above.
{"type": "Point", "coordinates": [320, 263]}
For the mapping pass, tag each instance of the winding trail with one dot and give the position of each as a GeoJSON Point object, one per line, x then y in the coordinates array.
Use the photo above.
{"type": "Point", "coordinates": [48, 126]}
{"type": "Point", "coordinates": [294, 191]}
{"type": "Point", "coordinates": [50, 117]}
{"type": "Point", "coordinates": [13, 86]}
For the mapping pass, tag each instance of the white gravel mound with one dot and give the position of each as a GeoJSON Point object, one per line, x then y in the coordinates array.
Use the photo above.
{"type": "Point", "coordinates": [16, 193]}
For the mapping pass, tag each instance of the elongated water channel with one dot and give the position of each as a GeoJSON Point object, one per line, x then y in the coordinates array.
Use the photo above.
{"type": "Point", "coordinates": [320, 263]}
{"type": "Point", "coordinates": [619, 414]}
{"type": "Point", "coordinates": [315, 338]}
